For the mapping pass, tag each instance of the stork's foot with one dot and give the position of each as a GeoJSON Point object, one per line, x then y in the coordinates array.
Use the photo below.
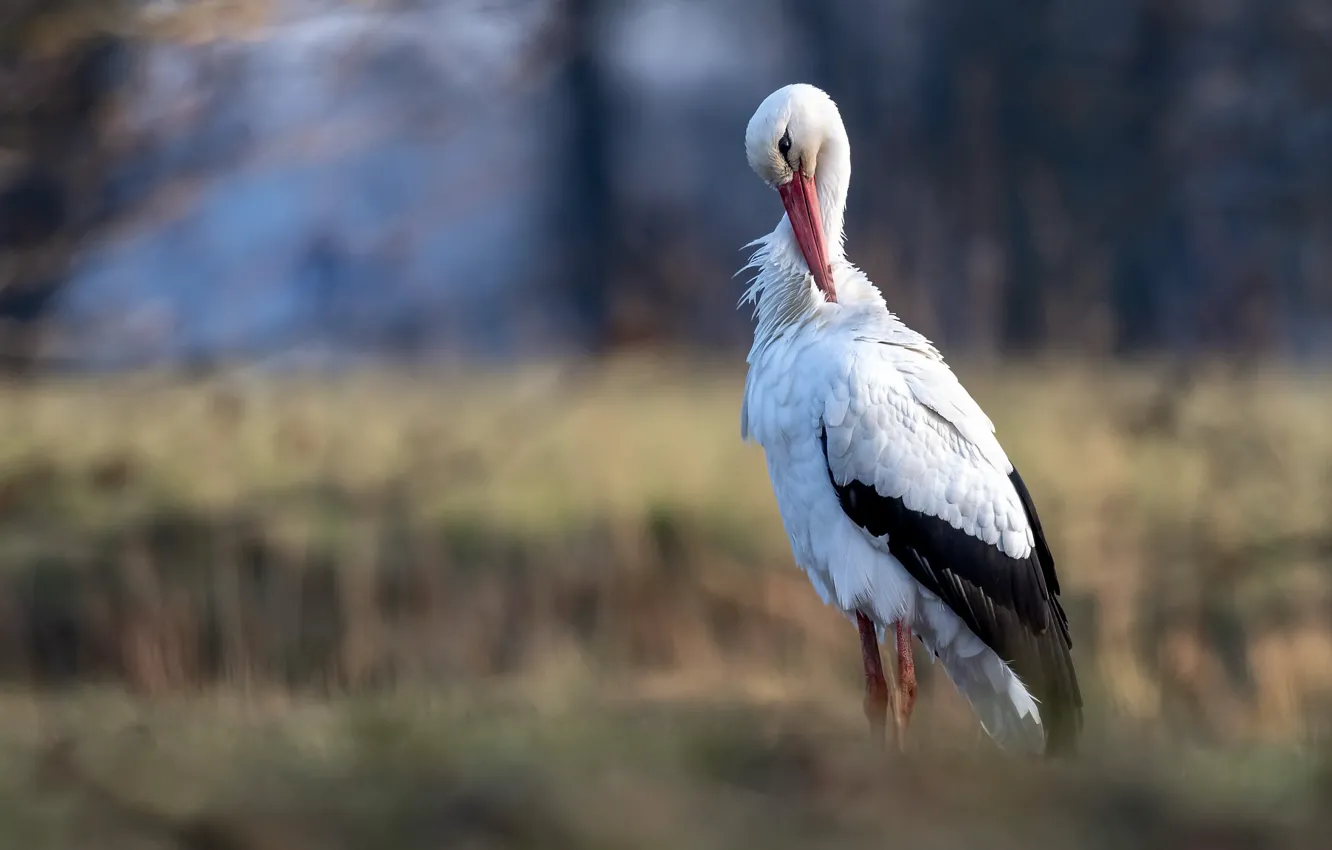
{"type": "Point", "coordinates": [905, 700]}
{"type": "Point", "coordinates": [876, 686]}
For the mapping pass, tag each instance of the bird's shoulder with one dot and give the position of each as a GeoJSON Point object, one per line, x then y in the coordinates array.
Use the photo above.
{"type": "Point", "coordinates": [899, 422]}
{"type": "Point", "coordinates": [892, 378]}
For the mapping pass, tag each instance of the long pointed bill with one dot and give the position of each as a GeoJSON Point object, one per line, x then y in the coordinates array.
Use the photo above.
{"type": "Point", "coordinates": [802, 208]}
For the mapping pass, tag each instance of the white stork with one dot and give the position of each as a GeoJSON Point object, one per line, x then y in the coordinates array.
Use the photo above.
{"type": "Point", "coordinates": [899, 502]}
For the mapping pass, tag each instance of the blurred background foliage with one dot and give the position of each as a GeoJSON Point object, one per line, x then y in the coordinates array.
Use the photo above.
{"type": "Point", "coordinates": [1110, 178]}
{"type": "Point", "coordinates": [370, 472]}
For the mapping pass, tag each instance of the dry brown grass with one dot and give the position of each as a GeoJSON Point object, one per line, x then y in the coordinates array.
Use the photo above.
{"type": "Point", "coordinates": [365, 528]}
{"type": "Point", "coordinates": [486, 769]}
{"type": "Point", "coordinates": [598, 546]}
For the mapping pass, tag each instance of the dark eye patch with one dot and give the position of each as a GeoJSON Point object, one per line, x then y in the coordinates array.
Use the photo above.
{"type": "Point", "coordinates": [784, 146]}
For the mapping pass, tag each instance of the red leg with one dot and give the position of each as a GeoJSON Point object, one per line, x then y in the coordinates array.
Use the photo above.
{"type": "Point", "coordinates": [876, 687]}
{"type": "Point", "coordinates": [906, 684]}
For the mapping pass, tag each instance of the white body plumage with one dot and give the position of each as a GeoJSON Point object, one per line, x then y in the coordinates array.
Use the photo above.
{"type": "Point", "coordinates": [840, 391]}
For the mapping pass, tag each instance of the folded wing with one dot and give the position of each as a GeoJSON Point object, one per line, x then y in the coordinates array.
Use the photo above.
{"type": "Point", "coordinates": [925, 479]}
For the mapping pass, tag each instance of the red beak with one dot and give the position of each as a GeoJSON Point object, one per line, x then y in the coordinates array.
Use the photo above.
{"type": "Point", "coordinates": [802, 207]}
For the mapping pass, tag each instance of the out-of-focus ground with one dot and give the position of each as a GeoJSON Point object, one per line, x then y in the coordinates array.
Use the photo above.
{"type": "Point", "coordinates": [554, 607]}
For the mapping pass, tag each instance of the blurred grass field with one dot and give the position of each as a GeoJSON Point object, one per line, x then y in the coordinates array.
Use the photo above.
{"type": "Point", "coordinates": [555, 607]}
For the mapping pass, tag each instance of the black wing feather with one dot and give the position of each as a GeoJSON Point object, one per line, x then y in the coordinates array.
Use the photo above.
{"type": "Point", "coordinates": [1010, 603]}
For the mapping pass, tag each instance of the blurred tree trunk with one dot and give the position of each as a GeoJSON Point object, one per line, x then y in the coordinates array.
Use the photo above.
{"type": "Point", "coordinates": [1141, 259]}
{"type": "Point", "coordinates": [1021, 66]}
{"type": "Point", "coordinates": [52, 167]}
{"type": "Point", "coordinates": [591, 242]}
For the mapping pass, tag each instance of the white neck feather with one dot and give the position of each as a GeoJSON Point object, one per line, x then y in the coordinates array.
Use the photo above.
{"type": "Point", "coordinates": [833, 179]}
{"type": "Point", "coordinates": [783, 288]}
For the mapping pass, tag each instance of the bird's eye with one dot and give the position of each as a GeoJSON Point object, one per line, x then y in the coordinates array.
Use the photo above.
{"type": "Point", "coordinates": [784, 146]}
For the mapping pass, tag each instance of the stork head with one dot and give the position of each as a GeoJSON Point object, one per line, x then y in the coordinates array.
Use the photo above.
{"type": "Point", "coordinates": [791, 129]}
